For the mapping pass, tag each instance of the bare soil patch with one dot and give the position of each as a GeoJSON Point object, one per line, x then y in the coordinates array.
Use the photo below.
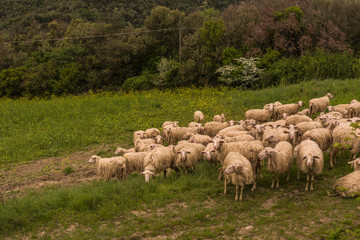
{"type": "Point", "coordinates": [18, 181]}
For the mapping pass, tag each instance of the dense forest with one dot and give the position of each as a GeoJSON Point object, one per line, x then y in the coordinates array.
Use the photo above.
{"type": "Point", "coordinates": [62, 47]}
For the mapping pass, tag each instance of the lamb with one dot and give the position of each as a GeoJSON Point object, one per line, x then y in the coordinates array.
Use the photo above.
{"type": "Point", "coordinates": [122, 151]}
{"type": "Point", "coordinates": [319, 104]}
{"type": "Point", "coordinates": [177, 134]}
{"type": "Point", "coordinates": [139, 135]}
{"type": "Point", "coordinates": [259, 115]}
{"type": "Point", "coordinates": [349, 185]}
{"type": "Point", "coordinates": [355, 164]}
{"type": "Point", "coordinates": [309, 160]}
{"type": "Point", "coordinates": [322, 136]}
{"type": "Point", "coordinates": [199, 117]}
{"type": "Point", "coordinates": [280, 160]}
{"type": "Point", "coordinates": [187, 158]}
{"type": "Point", "coordinates": [198, 138]}
{"type": "Point", "coordinates": [219, 118]}
{"type": "Point", "coordinates": [135, 161]}
{"type": "Point", "coordinates": [344, 137]}
{"type": "Point", "coordinates": [238, 170]}
{"type": "Point", "coordinates": [212, 128]}
{"type": "Point", "coordinates": [295, 119]}
{"type": "Point", "coordinates": [158, 160]}
{"type": "Point", "coordinates": [249, 149]}
{"type": "Point", "coordinates": [289, 109]}
{"type": "Point", "coordinates": [108, 168]}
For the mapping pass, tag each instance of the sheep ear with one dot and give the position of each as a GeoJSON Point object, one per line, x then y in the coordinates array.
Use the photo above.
{"type": "Point", "coordinates": [188, 152]}
{"type": "Point", "coordinates": [178, 152]}
{"type": "Point", "coordinates": [212, 150]}
{"type": "Point", "coordinates": [286, 131]}
{"type": "Point", "coordinates": [351, 162]}
{"type": "Point", "coordinates": [143, 173]}
{"type": "Point", "coordinates": [203, 152]}
{"type": "Point", "coordinates": [316, 157]}
{"type": "Point", "coordinates": [211, 141]}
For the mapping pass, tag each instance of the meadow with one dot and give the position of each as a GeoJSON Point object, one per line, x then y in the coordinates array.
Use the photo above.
{"type": "Point", "coordinates": [176, 207]}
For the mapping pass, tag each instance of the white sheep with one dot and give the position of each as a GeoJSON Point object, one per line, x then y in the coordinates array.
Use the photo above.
{"type": "Point", "coordinates": [295, 119]}
{"type": "Point", "coordinates": [238, 170]}
{"type": "Point", "coordinates": [177, 134]}
{"type": "Point", "coordinates": [213, 128]}
{"type": "Point", "coordinates": [139, 135]}
{"type": "Point", "coordinates": [280, 160]}
{"type": "Point", "coordinates": [108, 168]}
{"type": "Point", "coordinates": [199, 147]}
{"type": "Point", "coordinates": [198, 126]}
{"type": "Point", "coordinates": [219, 118]}
{"type": "Point", "coordinates": [187, 158]}
{"type": "Point", "coordinates": [210, 154]}
{"type": "Point", "coordinates": [341, 109]}
{"type": "Point", "coordinates": [354, 110]}
{"type": "Point", "coordinates": [355, 164]}
{"type": "Point", "coordinates": [272, 136]}
{"type": "Point", "coordinates": [152, 132]}
{"type": "Point", "coordinates": [122, 151]}
{"type": "Point", "coordinates": [322, 136]}
{"type": "Point", "coordinates": [198, 138]}
{"type": "Point", "coordinates": [199, 116]}
{"type": "Point", "coordinates": [289, 109]}
{"type": "Point", "coordinates": [165, 129]}
{"type": "Point", "coordinates": [140, 145]}
{"type": "Point", "coordinates": [310, 160]}
{"type": "Point", "coordinates": [231, 129]}
{"type": "Point", "coordinates": [349, 185]}
{"type": "Point", "coordinates": [304, 112]}
{"type": "Point", "coordinates": [135, 161]}
{"type": "Point", "coordinates": [158, 160]}
{"type": "Point", "coordinates": [319, 104]}
{"type": "Point", "coordinates": [243, 137]}
{"type": "Point", "coordinates": [302, 127]}
{"type": "Point", "coordinates": [159, 139]}
{"type": "Point", "coordinates": [259, 115]}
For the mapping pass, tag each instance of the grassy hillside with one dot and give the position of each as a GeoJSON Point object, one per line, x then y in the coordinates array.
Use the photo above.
{"type": "Point", "coordinates": [180, 207]}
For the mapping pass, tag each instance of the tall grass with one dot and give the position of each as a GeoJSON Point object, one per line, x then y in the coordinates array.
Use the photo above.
{"type": "Point", "coordinates": [34, 129]}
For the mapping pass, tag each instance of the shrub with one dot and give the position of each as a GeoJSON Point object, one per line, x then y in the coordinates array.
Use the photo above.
{"type": "Point", "coordinates": [11, 82]}
{"type": "Point", "coordinates": [168, 73]}
{"type": "Point", "coordinates": [138, 83]}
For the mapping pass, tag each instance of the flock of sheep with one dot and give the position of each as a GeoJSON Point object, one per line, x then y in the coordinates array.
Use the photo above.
{"type": "Point", "coordinates": [278, 133]}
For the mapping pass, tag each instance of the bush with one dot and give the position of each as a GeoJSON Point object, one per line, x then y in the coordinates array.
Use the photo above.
{"type": "Point", "coordinates": [138, 83]}
{"type": "Point", "coordinates": [11, 82]}
{"type": "Point", "coordinates": [168, 73]}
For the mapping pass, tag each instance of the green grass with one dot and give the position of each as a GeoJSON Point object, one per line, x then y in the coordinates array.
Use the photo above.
{"type": "Point", "coordinates": [181, 207]}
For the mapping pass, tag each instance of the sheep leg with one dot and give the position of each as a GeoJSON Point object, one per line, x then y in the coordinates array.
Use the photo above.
{"type": "Point", "coordinates": [312, 181]}
{"type": "Point", "coordinates": [164, 174]}
{"type": "Point", "coordinates": [273, 180]}
{"type": "Point", "coordinates": [236, 193]}
{"type": "Point", "coordinates": [307, 182]}
{"type": "Point", "coordinates": [277, 181]}
{"type": "Point", "coordinates": [298, 175]}
{"type": "Point", "coordinates": [254, 186]}
{"type": "Point", "coordinates": [241, 192]}
{"type": "Point", "coordinates": [225, 185]}
{"type": "Point", "coordinates": [288, 176]}
{"type": "Point", "coordinates": [220, 173]}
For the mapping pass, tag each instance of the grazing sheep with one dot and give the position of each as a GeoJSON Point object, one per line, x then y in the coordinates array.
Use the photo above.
{"type": "Point", "coordinates": [280, 160]}
{"type": "Point", "coordinates": [135, 161]}
{"type": "Point", "coordinates": [295, 119]}
{"type": "Point", "coordinates": [141, 144]}
{"type": "Point", "coordinates": [344, 137]}
{"type": "Point", "coordinates": [232, 134]}
{"type": "Point", "coordinates": [355, 164]}
{"type": "Point", "coordinates": [122, 151]}
{"type": "Point", "coordinates": [212, 128]}
{"type": "Point", "coordinates": [139, 135]}
{"type": "Point", "coordinates": [108, 168]}
{"type": "Point", "coordinates": [304, 112]}
{"type": "Point", "coordinates": [238, 170]}
{"type": "Point", "coordinates": [187, 158]}
{"type": "Point", "coordinates": [165, 129]}
{"type": "Point", "coordinates": [354, 110]}
{"type": "Point", "coordinates": [219, 118]}
{"type": "Point", "coordinates": [243, 137]}
{"type": "Point", "coordinates": [231, 129]}
{"type": "Point", "coordinates": [250, 150]}
{"type": "Point", "coordinates": [199, 117]}
{"type": "Point", "coordinates": [319, 104]}
{"type": "Point", "coordinates": [354, 101]}
{"type": "Point", "coordinates": [259, 115]}
{"type": "Point", "coordinates": [158, 160]}
{"type": "Point", "coordinates": [306, 126]}
{"type": "Point", "coordinates": [289, 109]}
{"type": "Point", "coordinates": [322, 136]}
{"type": "Point", "coordinates": [210, 154]}
{"type": "Point", "coordinates": [199, 147]}
{"type": "Point", "coordinates": [340, 109]}
{"type": "Point", "coordinates": [152, 132]}
{"type": "Point", "coordinates": [309, 160]}
{"type": "Point", "coordinates": [177, 134]}
{"type": "Point", "coordinates": [348, 186]}
{"type": "Point", "coordinates": [198, 138]}
{"type": "Point", "coordinates": [272, 136]}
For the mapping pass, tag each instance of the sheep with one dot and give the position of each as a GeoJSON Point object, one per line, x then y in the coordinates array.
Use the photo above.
{"type": "Point", "coordinates": [289, 109]}
{"type": "Point", "coordinates": [319, 104]}
{"type": "Point", "coordinates": [122, 151]}
{"type": "Point", "coordinates": [152, 132]}
{"type": "Point", "coordinates": [243, 137]}
{"type": "Point", "coordinates": [210, 154]}
{"type": "Point", "coordinates": [165, 129]}
{"type": "Point", "coordinates": [139, 135]}
{"type": "Point", "coordinates": [341, 110]}
{"type": "Point", "coordinates": [354, 101]}
{"type": "Point", "coordinates": [156, 161]}
{"type": "Point", "coordinates": [304, 112]}
{"type": "Point", "coordinates": [250, 150]}
{"type": "Point", "coordinates": [198, 138]}
{"type": "Point", "coordinates": [177, 134]}
{"type": "Point", "coordinates": [219, 118]}
{"type": "Point", "coordinates": [293, 134]}
{"type": "Point", "coordinates": [322, 136]}
{"type": "Point", "coordinates": [159, 139]}
{"type": "Point", "coordinates": [355, 164]}
{"type": "Point", "coordinates": [273, 136]}
{"type": "Point", "coordinates": [231, 129]}
{"type": "Point", "coordinates": [295, 119]}
{"type": "Point", "coordinates": [344, 137]}
{"type": "Point", "coordinates": [348, 186]}
{"type": "Point", "coordinates": [212, 128]}
{"type": "Point", "coordinates": [310, 160]}
{"type": "Point", "coordinates": [108, 168]}
{"type": "Point", "coordinates": [259, 115]}
{"type": "Point", "coordinates": [238, 170]}
{"type": "Point", "coordinates": [354, 110]}
{"type": "Point", "coordinates": [231, 134]}
{"type": "Point", "coordinates": [187, 158]}
{"type": "Point", "coordinates": [302, 127]}
{"type": "Point", "coordinates": [199, 147]}
{"type": "Point", "coordinates": [231, 122]}
{"type": "Point", "coordinates": [199, 117]}
{"type": "Point", "coordinates": [280, 160]}
{"type": "Point", "coordinates": [141, 144]}
{"type": "Point", "coordinates": [135, 161]}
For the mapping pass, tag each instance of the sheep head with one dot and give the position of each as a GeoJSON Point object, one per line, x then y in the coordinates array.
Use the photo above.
{"type": "Point", "coordinates": [329, 95]}
{"type": "Point", "coordinates": [207, 154]}
{"type": "Point", "coordinates": [272, 139]}
{"type": "Point", "coordinates": [300, 103]}
{"type": "Point", "coordinates": [158, 139]}
{"type": "Point", "coordinates": [310, 159]}
{"type": "Point", "coordinates": [233, 168]}
{"type": "Point", "coordinates": [94, 158]}
{"type": "Point", "coordinates": [183, 154]}
{"type": "Point", "coordinates": [120, 150]}
{"type": "Point", "coordinates": [217, 142]}
{"type": "Point", "coordinates": [355, 164]}
{"type": "Point", "coordinates": [259, 128]}
{"type": "Point", "coordinates": [231, 122]}
{"type": "Point", "coordinates": [147, 174]}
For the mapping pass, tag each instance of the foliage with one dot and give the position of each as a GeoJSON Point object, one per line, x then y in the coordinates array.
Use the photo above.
{"type": "Point", "coordinates": [168, 73]}
{"type": "Point", "coordinates": [11, 80]}
{"type": "Point", "coordinates": [139, 83]}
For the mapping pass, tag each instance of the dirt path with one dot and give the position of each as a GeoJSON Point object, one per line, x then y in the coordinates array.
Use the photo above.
{"type": "Point", "coordinates": [23, 179]}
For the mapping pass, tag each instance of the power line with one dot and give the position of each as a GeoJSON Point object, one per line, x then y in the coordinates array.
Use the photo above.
{"type": "Point", "coordinates": [98, 36]}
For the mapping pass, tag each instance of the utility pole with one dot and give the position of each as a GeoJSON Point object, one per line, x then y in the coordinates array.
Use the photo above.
{"type": "Point", "coordinates": [180, 39]}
